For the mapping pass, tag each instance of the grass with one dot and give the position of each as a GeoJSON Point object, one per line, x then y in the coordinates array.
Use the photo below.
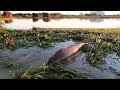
{"type": "Point", "coordinates": [53, 71]}
{"type": "Point", "coordinates": [7, 61]}
{"type": "Point", "coordinates": [45, 44]}
{"type": "Point", "coordinates": [104, 40]}
{"type": "Point", "coordinates": [100, 47]}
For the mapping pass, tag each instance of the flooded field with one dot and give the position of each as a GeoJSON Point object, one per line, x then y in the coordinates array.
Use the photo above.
{"type": "Point", "coordinates": [35, 56]}
{"type": "Point", "coordinates": [30, 57]}
{"type": "Point", "coordinates": [60, 45]}
{"type": "Point", "coordinates": [33, 48]}
{"type": "Point", "coordinates": [81, 65]}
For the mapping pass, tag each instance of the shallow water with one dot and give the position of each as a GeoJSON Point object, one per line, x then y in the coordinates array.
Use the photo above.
{"type": "Point", "coordinates": [113, 62]}
{"type": "Point", "coordinates": [62, 23]}
{"type": "Point", "coordinates": [81, 65]}
{"type": "Point", "coordinates": [37, 56]}
{"type": "Point", "coordinates": [30, 57]}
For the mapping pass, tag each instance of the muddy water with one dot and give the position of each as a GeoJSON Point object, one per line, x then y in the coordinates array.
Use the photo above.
{"type": "Point", "coordinates": [30, 57]}
{"type": "Point", "coordinates": [81, 65]}
{"type": "Point", "coordinates": [37, 56]}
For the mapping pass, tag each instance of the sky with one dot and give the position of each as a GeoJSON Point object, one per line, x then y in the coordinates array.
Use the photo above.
{"type": "Point", "coordinates": [67, 12]}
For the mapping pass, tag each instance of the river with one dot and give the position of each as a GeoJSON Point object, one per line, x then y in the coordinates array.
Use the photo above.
{"type": "Point", "coordinates": [61, 23]}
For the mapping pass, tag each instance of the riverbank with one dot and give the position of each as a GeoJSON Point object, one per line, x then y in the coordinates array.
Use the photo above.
{"type": "Point", "coordinates": [101, 42]}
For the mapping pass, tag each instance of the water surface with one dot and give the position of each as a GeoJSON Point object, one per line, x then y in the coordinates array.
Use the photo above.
{"type": "Point", "coordinates": [61, 23]}
{"type": "Point", "coordinates": [37, 56]}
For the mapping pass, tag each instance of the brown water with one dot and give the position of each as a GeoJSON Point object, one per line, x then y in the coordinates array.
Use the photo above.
{"type": "Point", "coordinates": [61, 23]}
{"type": "Point", "coordinates": [37, 56]}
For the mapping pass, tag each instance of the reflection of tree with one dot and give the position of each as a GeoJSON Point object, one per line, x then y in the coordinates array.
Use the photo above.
{"type": "Point", "coordinates": [56, 18]}
{"type": "Point", "coordinates": [35, 19]}
{"type": "Point", "coordinates": [46, 19]}
{"type": "Point", "coordinates": [9, 20]}
{"type": "Point", "coordinates": [96, 20]}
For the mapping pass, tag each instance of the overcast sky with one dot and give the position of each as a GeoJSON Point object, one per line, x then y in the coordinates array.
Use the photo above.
{"type": "Point", "coordinates": [67, 12]}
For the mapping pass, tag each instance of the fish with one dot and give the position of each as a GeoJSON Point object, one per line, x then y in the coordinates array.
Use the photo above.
{"type": "Point", "coordinates": [65, 54]}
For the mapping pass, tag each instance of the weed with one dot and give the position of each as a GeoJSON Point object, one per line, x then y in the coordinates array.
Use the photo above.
{"type": "Point", "coordinates": [46, 72]}
{"type": "Point", "coordinates": [7, 61]}
{"type": "Point", "coordinates": [45, 44]}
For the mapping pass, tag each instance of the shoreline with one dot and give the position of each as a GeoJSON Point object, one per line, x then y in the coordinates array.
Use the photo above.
{"type": "Point", "coordinates": [72, 17]}
{"type": "Point", "coordinates": [115, 30]}
{"type": "Point", "coordinates": [64, 16]}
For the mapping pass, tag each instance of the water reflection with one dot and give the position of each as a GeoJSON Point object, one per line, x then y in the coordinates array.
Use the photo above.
{"type": "Point", "coordinates": [46, 19]}
{"type": "Point", "coordinates": [96, 20]}
{"type": "Point", "coordinates": [56, 18]}
{"type": "Point", "coordinates": [35, 19]}
{"type": "Point", "coordinates": [61, 23]}
{"type": "Point", "coordinates": [9, 20]}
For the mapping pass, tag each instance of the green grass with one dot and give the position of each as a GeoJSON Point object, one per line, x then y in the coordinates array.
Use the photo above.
{"type": "Point", "coordinates": [100, 48]}
{"type": "Point", "coordinates": [103, 41]}
{"type": "Point", "coordinates": [7, 61]}
{"type": "Point", "coordinates": [100, 43]}
{"type": "Point", "coordinates": [53, 71]}
{"type": "Point", "coordinates": [45, 44]}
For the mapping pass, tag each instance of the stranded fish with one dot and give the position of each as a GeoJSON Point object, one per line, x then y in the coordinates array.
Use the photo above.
{"type": "Point", "coordinates": [66, 53]}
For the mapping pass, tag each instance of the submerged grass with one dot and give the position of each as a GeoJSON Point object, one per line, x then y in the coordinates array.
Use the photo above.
{"type": "Point", "coordinates": [7, 61]}
{"type": "Point", "coordinates": [100, 47]}
{"type": "Point", "coordinates": [53, 71]}
{"type": "Point", "coordinates": [101, 41]}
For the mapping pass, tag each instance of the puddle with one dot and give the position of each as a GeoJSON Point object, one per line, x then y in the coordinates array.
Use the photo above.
{"type": "Point", "coordinates": [5, 73]}
{"type": "Point", "coordinates": [113, 62]}
{"type": "Point", "coordinates": [37, 56]}
{"type": "Point", "coordinates": [81, 65]}
{"type": "Point", "coordinates": [30, 57]}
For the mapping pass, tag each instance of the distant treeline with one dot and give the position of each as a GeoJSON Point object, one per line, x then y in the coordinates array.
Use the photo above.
{"type": "Point", "coordinates": [55, 15]}
{"type": "Point", "coordinates": [6, 14]}
{"type": "Point", "coordinates": [29, 15]}
{"type": "Point", "coordinates": [59, 15]}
